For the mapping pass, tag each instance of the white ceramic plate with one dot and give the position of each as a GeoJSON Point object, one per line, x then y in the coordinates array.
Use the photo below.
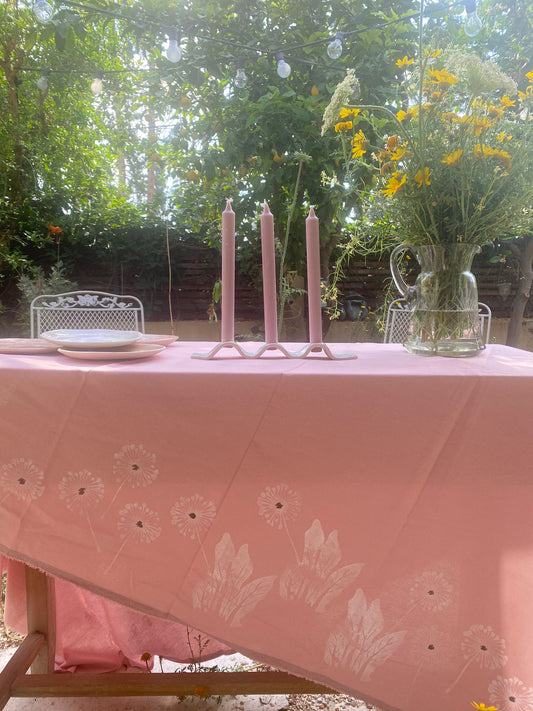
{"type": "Point", "coordinates": [26, 346]}
{"type": "Point", "coordinates": [90, 338]}
{"type": "Point", "coordinates": [138, 350]}
{"type": "Point", "coordinates": [160, 340]}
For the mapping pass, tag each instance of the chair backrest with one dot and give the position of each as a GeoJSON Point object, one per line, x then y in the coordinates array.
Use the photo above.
{"type": "Point", "coordinates": [398, 320]}
{"type": "Point", "coordinates": [85, 309]}
{"type": "Point", "coordinates": [399, 315]}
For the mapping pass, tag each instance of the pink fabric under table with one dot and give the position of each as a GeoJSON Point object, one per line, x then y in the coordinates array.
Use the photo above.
{"type": "Point", "coordinates": [363, 523]}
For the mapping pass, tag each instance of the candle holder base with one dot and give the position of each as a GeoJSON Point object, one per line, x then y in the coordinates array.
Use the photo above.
{"type": "Point", "coordinates": [286, 353]}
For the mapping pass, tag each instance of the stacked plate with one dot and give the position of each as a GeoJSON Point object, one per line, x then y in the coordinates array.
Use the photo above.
{"type": "Point", "coordinates": [105, 344]}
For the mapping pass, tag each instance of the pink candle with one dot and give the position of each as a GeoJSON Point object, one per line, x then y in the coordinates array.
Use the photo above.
{"type": "Point", "coordinates": [269, 275]}
{"type": "Point", "coordinates": [313, 277]}
{"type": "Point", "coordinates": [228, 273]}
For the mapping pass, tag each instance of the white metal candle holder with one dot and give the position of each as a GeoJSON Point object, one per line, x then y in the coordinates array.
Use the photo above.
{"type": "Point", "coordinates": [306, 350]}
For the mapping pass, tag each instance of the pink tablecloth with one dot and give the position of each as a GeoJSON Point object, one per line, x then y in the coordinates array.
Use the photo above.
{"type": "Point", "coordinates": [363, 523]}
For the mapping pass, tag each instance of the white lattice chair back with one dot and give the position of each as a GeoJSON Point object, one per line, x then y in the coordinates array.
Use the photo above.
{"type": "Point", "coordinates": [399, 316]}
{"type": "Point", "coordinates": [86, 309]}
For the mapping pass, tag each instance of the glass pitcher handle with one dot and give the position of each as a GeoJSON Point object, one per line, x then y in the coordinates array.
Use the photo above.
{"type": "Point", "coordinates": [402, 286]}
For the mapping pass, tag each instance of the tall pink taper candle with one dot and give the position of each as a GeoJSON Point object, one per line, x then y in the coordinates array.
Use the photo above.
{"type": "Point", "coordinates": [269, 275]}
{"type": "Point", "coordinates": [313, 277]}
{"type": "Point", "coordinates": [228, 273]}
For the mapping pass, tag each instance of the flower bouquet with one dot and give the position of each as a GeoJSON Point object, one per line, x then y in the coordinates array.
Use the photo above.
{"type": "Point", "coordinates": [450, 170]}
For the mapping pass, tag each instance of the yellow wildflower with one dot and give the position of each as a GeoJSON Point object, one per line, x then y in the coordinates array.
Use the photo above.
{"type": "Point", "coordinates": [529, 76]}
{"type": "Point", "coordinates": [433, 54]}
{"type": "Point", "coordinates": [527, 93]}
{"type": "Point", "coordinates": [506, 101]}
{"type": "Point", "coordinates": [452, 158]}
{"type": "Point", "coordinates": [401, 63]}
{"type": "Point", "coordinates": [481, 125]}
{"type": "Point", "coordinates": [343, 126]}
{"type": "Point", "coordinates": [502, 136]}
{"type": "Point", "coordinates": [394, 183]}
{"type": "Point", "coordinates": [441, 77]}
{"type": "Point", "coordinates": [344, 113]}
{"type": "Point", "coordinates": [495, 111]}
{"type": "Point", "coordinates": [402, 115]}
{"type": "Point", "coordinates": [399, 152]}
{"type": "Point", "coordinates": [503, 157]}
{"type": "Point", "coordinates": [359, 145]}
{"type": "Point", "coordinates": [425, 180]}
{"type": "Point", "coordinates": [482, 707]}
{"type": "Point", "coordinates": [412, 112]}
{"type": "Point", "coordinates": [314, 90]}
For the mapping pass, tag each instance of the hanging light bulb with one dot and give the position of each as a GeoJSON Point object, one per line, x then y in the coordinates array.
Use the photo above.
{"type": "Point", "coordinates": [472, 26]}
{"type": "Point", "coordinates": [173, 52]}
{"type": "Point", "coordinates": [42, 81]}
{"type": "Point", "coordinates": [334, 49]}
{"type": "Point", "coordinates": [283, 69]}
{"type": "Point", "coordinates": [240, 77]}
{"type": "Point", "coordinates": [97, 84]}
{"type": "Point", "coordinates": [44, 12]}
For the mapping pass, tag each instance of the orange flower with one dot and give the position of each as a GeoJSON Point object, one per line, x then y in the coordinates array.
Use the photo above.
{"type": "Point", "coordinates": [393, 142]}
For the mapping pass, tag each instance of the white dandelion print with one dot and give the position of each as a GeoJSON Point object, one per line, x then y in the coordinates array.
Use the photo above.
{"type": "Point", "coordinates": [280, 505]}
{"type": "Point", "coordinates": [427, 649]}
{"type": "Point", "coordinates": [133, 466]}
{"type": "Point", "coordinates": [193, 516]}
{"type": "Point", "coordinates": [23, 479]}
{"type": "Point", "coordinates": [511, 694]}
{"type": "Point", "coordinates": [483, 647]}
{"type": "Point", "coordinates": [136, 524]}
{"type": "Point", "coordinates": [431, 591]}
{"type": "Point", "coordinates": [81, 492]}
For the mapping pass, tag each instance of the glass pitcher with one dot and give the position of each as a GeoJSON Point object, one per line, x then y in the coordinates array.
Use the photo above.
{"type": "Point", "coordinates": [445, 317]}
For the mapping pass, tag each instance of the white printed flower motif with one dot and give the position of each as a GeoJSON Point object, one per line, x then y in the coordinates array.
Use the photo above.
{"type": "Point", "coordinates": [429, 648]}
{"type": "Point", "coordinates": [133, 466]}
{"type": "Point", "coordinates": [279, 505]}
{"type": "Point", "coordinates": [510, 694]}
{"type": "Point", "coordinates": [193, 515]}
{"type": "Point", "coordinates": [226, 591]}
{"type": "Point", "coordinates": [22, 478]}
{"type": "Point", "coordinates": [316, 579]}
{"type": "Point", "coordinates": [136, 524]}
{"type": "Point", "coordinates": [480, 644]}
{"type": "Point", "coordinates": [359, 644]}
{"type": "Point", "coordinates": [81, 492]}
{"type": "Point", "coordinates": [431, 591]}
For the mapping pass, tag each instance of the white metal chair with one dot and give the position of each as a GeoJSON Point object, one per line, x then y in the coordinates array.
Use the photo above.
{"type": "Point", "coordinates": [399, 316]}
{"type": "Point", "coordinates": [86, 309]}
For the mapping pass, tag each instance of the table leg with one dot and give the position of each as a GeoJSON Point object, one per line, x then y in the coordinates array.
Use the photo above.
{"type": "Point", "coordinates": [40, 611]}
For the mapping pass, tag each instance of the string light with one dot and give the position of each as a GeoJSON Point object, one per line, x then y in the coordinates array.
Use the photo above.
{"type": "Point", "coordinates": [42, 81]}
{"type": "Point", "coordinates": [334, 49]}
{"type": "Point", "coordinates": [44, 12]}
{"type": "Point", "coordinates": [472, 26]}
{"type": "Point", "coordinates": [174, 53]}
{"type": "Point", "coordinates": [97, 84]}
{"type": "Point", "coordinates": [283, 68]}
{"type": "Point", "coordinates": [240, 77]}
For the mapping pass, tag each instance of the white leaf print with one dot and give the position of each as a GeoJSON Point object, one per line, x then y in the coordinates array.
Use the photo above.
{"type": "Point", "coordinates": [315, 579]}
{"type": "Point", "coordinates": [358, 645]}
{"type": "Point", "coordinates": [225, 591]}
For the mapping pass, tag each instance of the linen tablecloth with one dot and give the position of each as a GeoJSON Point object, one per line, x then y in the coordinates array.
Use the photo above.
{"type": "Point", "coordinates": [365, 523]}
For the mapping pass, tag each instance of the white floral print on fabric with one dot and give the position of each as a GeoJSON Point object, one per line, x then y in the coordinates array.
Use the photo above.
{"type": "Point", "coordinates": [429, 648]}
{"type": "Point", "coordinates": [22, 478]}
{"type": "Point", "coordinates": [136, 524]}
{"type": "Point", "coordinates": [225, 590]}
{"type": "Point", "coordinates": [81, 492]}
{"type": "Point", "coordinates": [431, 591]}
{"type": "Point", "coordinates": [482, 646]}
{"type": "Point", "coordinates": [510, 694]}
{"type": "Point", "coordinates": [317, 580]}
{"type": "Point", "coordinates": [280, 505]}
{"type": "Point", "coordinates": [360, 644]}
{"type": "Point", "coordinates": [134, 466]}
{"type": "Point", "coordinates": [193, 516]}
